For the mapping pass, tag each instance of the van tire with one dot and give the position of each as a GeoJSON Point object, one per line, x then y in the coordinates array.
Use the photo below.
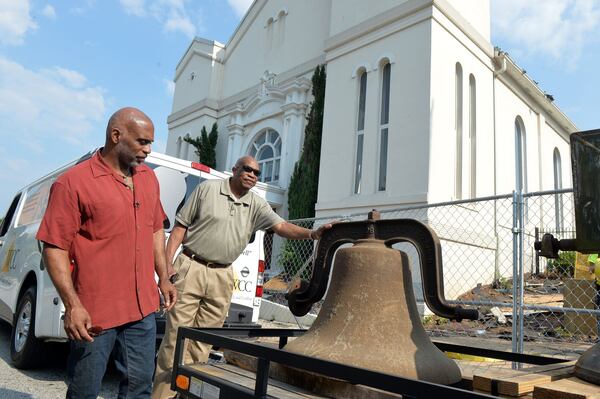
{"type": "Point", "coordinates": [26, 351]}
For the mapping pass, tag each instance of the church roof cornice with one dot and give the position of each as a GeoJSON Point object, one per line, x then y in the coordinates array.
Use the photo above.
{"type": "Point", "coordinates": [516, 78]}
{"type": "Point", "coordinates": [209, 49]}
{"type": "Point", "coordinates": [398, 18]}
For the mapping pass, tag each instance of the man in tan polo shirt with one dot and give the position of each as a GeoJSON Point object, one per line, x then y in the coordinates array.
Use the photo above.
{"type": "Point", "coordinates": [214, 225]}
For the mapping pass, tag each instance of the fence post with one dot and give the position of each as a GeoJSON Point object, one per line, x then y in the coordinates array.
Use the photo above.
{"type": "Point", "coordinates": [515, 314]}
{"type": "Point", "coordinates": [537, 255]}
{"type": "Point", "coordinates": [521, 268]}
{"type": "Point", "coordinates": [517, 229]}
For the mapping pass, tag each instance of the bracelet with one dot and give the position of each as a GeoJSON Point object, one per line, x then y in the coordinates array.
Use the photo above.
{"type": "Point", "coordinates": [311, 234]}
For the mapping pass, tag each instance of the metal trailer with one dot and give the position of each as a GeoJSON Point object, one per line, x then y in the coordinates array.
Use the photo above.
{"type": "Point", "coordinates": [194, 382]}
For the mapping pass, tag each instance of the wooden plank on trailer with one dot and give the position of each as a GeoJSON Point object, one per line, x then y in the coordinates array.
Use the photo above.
{"type": "Point", "coordinates": [519, 382]}
{"type": "Point", "coordinates": [524, 384]}
{"type": "Point", "coordinates": [569, 388]}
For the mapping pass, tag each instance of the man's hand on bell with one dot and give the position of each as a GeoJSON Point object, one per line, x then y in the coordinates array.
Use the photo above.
{"type": "Point", "coordinates": [318, 233]}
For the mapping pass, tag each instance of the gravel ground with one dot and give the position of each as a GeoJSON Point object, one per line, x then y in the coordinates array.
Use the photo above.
{"type": "Point", "coordinates": [48, 382]}
{"type": "Point", "coordinates": [44, 383]}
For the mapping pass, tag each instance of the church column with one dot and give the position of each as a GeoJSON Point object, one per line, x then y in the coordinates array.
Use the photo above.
{"type": "Point", "coordinates": [293, 128]}
{"type": "Point", "coordinates": [235, 129]}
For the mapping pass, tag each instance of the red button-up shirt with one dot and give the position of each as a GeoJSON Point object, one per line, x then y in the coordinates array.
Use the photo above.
{"type": "Point", "coordinates": [108, 230]}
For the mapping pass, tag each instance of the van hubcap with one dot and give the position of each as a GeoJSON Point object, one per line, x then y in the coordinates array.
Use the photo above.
{"type": "Point", "coordinates": [22, 327]}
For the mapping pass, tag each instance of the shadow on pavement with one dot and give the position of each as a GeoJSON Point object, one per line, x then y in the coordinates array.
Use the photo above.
{"type": "Point", "coordinates": [55, 354]}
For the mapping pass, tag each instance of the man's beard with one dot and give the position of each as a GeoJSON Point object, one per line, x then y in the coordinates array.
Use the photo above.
{"type": "Point", "coordinates": [127, 160]}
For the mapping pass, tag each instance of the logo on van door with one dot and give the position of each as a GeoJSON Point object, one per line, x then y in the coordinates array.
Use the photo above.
{"type": "Point", "coordinates": [8, 259]}
{"type": "Point", "coordinates": [242, 285]}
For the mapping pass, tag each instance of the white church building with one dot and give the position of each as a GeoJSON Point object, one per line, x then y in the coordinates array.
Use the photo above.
{"type": "Point", "coordinates": [419, 105]}
{"type": "Point", "coordinates": [420, 108]}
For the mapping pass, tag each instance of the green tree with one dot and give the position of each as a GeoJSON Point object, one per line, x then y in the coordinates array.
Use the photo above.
{"type": "Point", "coordinates": [205, 145]}
{"type": "Point", "coordinates": [302, 192]}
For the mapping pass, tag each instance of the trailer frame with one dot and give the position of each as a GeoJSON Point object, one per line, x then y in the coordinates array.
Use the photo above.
{"type": "Point", "coordinates": [233, 339]}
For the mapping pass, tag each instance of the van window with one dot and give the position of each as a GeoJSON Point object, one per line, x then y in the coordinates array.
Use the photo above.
{"type": "Point", "coordinates": [176, 187]}
{"type": "Point", "coordinates": [191, 182]}
{"type": "Point", "coordinates": [9, 215]}
{"type": "Point", "coordinates": [36, 199]}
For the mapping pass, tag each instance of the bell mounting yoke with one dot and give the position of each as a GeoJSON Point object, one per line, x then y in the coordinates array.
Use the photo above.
{"type": "Point", "coordinates": [303, 294]}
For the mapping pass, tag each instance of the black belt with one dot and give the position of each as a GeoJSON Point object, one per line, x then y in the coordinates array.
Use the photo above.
{"type": "Point", "coordinates": [193, 256]}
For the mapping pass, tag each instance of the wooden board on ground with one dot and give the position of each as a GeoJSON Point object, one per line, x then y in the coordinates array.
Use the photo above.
{"type": "Point", "coordinates": [236, 375]}
{"type": "Point", "coordinates": [515, 383]}
{"type": "Point", "coordinates": [570, 388]}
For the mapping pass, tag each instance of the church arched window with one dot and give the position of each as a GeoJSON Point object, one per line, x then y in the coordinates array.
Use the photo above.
{"type": "Point", "coordinates": [266, 148]}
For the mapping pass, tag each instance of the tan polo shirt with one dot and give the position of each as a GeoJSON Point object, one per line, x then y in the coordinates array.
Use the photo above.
{"type": "Point", "coordinates": [219, 226]}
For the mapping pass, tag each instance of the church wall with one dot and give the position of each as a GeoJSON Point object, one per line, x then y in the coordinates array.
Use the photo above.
{"type": "Point", "coordinates": [551, 140]}
{"type": "Point", "coordinates": [449, 47]}
{"type": "Point", "coordinates": [295, 36]}
{"type": "Point", "coordinates": [407, 167]}
{"type": "Point", "coordinates": [509, 106]}
{"type": "Point", "coordinates": [475, 12]}
{"type": "Point", "coordinates": [346, 14]}
{"type": "Point", "coordinates": [198, 76]}
{"type": "Point", "coordinates": [193, 127]}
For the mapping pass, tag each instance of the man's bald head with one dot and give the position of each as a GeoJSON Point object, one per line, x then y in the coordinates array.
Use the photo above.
{"type": "Point", "coordinates": [246, 160]}
{"type": "Point", "coordinates": [127, 119]}
{"type": "Point", "coordinates": [245, 175]}
{"type": "Point", "coordinates": [129, 137]}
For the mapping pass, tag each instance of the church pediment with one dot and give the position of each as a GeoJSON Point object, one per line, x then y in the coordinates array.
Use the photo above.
{"type": "Point", "coordinates": [259, 101]}
{"type": "Point", "coordinates": [267, 101]}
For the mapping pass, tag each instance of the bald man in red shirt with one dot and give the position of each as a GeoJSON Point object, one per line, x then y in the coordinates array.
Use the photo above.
{"type": "Point", "coordinates": [103, 241]}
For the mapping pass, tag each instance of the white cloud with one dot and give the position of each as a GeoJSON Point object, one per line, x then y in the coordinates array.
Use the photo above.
{"type": "Point", "coordinates": [49, 12]}
{"type": "Point", "coordinates": [15, 21]}
{"type": "Point", "coordinates": [49, 106]}
{"type": "Point", "coordinates": [169, 87]}
{"type": "Point", "coordinates": [11, 164]}
{"type": "Point", "coordinates": [134, 7]}
{"type": "Point", "coordinates": [77, 10]}
{"type": "Point", "coordinates": [72, 79]}
{"type": "Point", "coordinates": [173, 15]}
{"type": "Point", "coordinates": [83, 7]}
{"type": "Point", "coordinates": [240, 6]}
{"type": "Point", "coordinates": [180, 24]}
{"type": "Point", "coordinates": [557, 28]}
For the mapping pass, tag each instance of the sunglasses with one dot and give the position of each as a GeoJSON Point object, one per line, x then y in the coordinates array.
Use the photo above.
{"type": "Point", "coordinates": [249, 169]}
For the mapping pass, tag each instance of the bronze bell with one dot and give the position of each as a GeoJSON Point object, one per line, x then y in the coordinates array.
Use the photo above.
{"type": "Point", "coordinates": [588, 365]}
{"type": "Point", "coordinates": [369, 318]}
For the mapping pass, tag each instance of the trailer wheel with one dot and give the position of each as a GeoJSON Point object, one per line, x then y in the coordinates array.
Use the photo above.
{"type": "Point", "coordinates": [26, 351]}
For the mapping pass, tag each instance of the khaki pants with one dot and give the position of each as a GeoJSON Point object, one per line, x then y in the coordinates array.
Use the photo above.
{"type": "Point", "coordinates": [203, 298]}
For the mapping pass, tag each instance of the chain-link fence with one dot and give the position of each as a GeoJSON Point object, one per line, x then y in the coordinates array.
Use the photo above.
{"type": "Point", "coordinates": [530, 303]}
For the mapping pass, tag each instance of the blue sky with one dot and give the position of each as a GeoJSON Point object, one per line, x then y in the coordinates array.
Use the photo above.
{"type": "Point", "coordinates": [65, 66]}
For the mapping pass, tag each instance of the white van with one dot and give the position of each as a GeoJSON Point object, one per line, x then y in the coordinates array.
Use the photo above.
{"type": "Point", "coordinates": [28, 299]}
